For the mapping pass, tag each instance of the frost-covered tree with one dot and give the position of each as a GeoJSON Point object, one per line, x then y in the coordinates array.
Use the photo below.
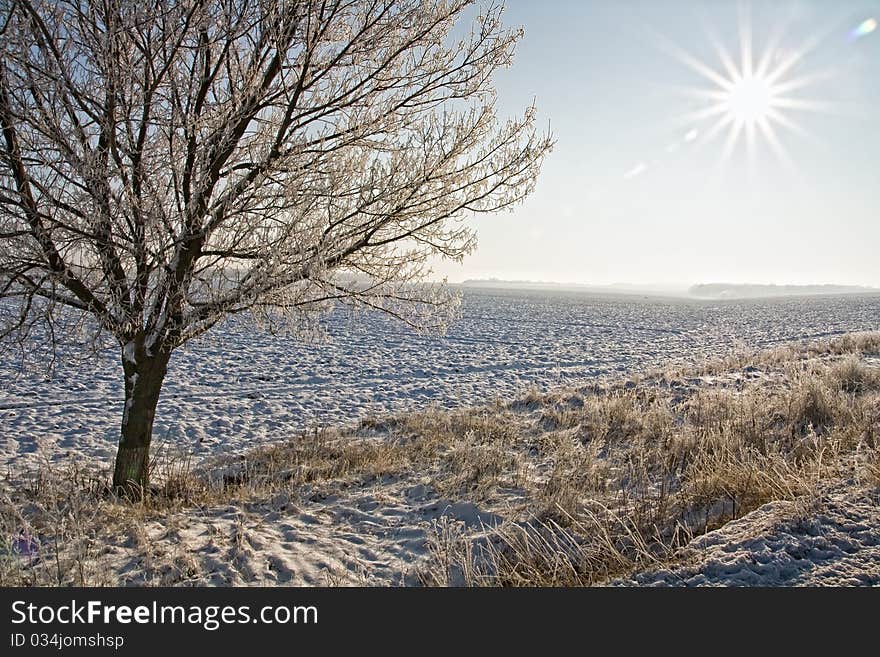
{"type": "Point", "coordinates": [166, 163]}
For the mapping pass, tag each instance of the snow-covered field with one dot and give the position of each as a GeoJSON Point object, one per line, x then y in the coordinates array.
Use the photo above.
{"type": "Point", "coordinates": [238, 387]}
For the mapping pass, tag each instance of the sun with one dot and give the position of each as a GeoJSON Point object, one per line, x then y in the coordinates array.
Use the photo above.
{"type": "Point", "coordinates": [750, 99]}
{"type": "Point", "coordinates": [754, 97]}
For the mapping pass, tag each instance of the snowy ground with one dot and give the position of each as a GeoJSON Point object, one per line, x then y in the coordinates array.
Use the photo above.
{"type": "Point", "coordinates": [833, 540]}
{"type": "Point", "coordinates": [239, 387]}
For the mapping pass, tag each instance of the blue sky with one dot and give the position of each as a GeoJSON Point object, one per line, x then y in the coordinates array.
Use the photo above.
{"type": "Point", "coordinates": [633, 191]}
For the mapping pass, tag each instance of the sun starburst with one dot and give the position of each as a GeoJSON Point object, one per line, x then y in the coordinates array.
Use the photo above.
{"type": "Point", "coordinates": [752, 98]}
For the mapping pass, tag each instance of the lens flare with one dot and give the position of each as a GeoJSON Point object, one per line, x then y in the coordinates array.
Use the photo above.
{"type": "Point", "coordinates": [864, 29]}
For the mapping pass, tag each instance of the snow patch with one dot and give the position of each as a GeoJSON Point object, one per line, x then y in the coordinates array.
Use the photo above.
{"type": "Point", "coordinates": [128, 352]}
{"type": "Point", "coordinates": [837, 543]}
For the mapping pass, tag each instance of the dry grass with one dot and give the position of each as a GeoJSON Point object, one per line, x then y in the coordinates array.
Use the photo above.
{"type": "Point", "coordinates": [678, 454]}
{"type": "Point", "coordinates": [592, 483]}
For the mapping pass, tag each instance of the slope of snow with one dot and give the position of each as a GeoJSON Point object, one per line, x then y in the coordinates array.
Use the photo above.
{"type": "Point", "coordinates": [832, 541]}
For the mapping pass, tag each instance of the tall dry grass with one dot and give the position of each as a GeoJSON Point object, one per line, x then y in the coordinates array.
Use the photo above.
{"type": "Point", "coordinates": [630, 473]}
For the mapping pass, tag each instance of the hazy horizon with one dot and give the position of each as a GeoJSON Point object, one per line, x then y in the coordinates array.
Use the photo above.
{"type": "Point", "coordinates": [703, 289]}
{"type": "Point", "coordinates": [697, 141]}
{"type": "Point", "coordinates": [656, 284]}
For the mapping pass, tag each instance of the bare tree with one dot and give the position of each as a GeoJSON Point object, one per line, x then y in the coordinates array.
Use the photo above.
{"type": "Point", "coordinates": [166, 163]}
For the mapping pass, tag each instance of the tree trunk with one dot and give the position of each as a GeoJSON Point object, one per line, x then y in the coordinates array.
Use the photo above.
{"type": "Point", "coordinates": [143, 382]}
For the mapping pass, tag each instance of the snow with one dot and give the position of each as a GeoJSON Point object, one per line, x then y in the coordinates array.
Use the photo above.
{"type": "Point", "coordinates": [242, 387]}
{"type": "Point", "coordinates": [835, 541]}
{"type": "Point", "coordinates": [239, 387]}
{"type": "Point", "coordinates": [132, 381]}
{"type": "Point", "coordinates": [375, 535]}
{"type": "Point", "coordinates": [128, 352]}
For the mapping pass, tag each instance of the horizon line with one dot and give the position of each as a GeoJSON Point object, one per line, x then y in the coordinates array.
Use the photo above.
{"type": "Point", "coordinates": [662, 284]}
